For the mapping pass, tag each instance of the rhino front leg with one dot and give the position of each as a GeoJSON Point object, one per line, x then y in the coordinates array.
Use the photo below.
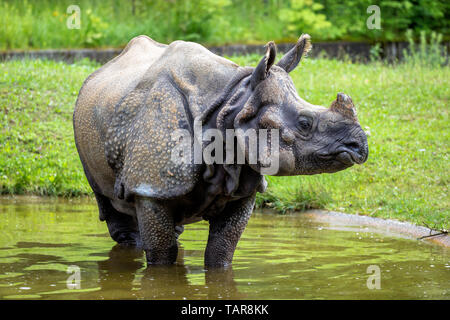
{"type": "Point", "coordinates": [156, 228]}
{"type": "Point", "coordinates": [226, 230]}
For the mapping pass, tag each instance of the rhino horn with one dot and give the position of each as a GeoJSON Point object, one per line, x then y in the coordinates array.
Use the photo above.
{"type": "Point", "coordinates": [292, 58]}
{"type": "Point", "coordinates": [261, 71]}
{"type": "Point", "coordinates": [344, 106]}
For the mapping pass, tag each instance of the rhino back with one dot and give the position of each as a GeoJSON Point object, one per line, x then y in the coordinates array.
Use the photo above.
{"type": "Point", "coordinates": [195, 72]}
{"type": "Point", "coordinates": [96, 101]}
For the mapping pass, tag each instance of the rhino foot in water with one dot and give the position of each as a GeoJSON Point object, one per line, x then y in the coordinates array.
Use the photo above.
{"type": "Point", "coordinates": [128, 110]}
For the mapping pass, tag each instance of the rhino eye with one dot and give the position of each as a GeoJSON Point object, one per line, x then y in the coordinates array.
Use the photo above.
{"type": "Point", "coordinates": [304, 123]}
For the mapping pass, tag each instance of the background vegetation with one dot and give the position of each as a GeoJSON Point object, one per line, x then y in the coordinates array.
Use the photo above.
{"type": "Point", "coordinates": [42, 24]}
{"type": "Point", "coordinates": [403, 108]}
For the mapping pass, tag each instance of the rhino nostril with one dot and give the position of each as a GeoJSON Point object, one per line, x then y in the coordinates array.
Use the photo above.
{"type": "Point", "coordinates": [354, 146]}
{"type": "Point", "coordinates": [358, 151]}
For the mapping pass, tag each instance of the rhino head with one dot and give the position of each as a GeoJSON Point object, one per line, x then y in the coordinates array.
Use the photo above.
{"type": "Point", "coordinates": [312, 139]}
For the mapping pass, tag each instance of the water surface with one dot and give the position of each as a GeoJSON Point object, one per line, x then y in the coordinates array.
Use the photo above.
{"type": "Point", "coordinates": [278, 257]}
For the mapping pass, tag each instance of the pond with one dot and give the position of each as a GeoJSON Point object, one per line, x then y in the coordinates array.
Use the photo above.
{"type": "Point", "coordinates": [46, 244]}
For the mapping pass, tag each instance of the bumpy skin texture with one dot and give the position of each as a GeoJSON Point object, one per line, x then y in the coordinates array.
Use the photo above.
{"type": "Point", "coordinates": [127, 111]}
{"type": "Point", "coordinates": [225, 231]}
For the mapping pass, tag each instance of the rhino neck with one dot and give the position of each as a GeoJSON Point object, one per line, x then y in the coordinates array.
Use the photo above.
{"type": "Point", "coordinates": [229, 98]}
{"type": "Point", "coordinates": [235, 180]}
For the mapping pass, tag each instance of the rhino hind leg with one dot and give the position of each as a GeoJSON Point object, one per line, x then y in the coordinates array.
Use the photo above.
{"type": "Point", "coordinates": [122, 227]}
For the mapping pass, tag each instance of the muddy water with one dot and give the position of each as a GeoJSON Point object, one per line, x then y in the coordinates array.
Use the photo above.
{"type": "Point", "coordinates": [278, 257]}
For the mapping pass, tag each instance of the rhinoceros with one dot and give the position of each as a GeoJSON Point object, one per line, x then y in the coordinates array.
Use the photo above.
{"type": "Point", "coordinates": [124, 122]}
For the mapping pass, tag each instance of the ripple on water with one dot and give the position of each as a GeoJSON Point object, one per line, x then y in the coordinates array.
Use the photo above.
{"type": "Point", "coordinates": [278, 257]}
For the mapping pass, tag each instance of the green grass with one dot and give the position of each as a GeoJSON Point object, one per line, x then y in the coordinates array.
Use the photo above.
{"type": "Point", "coordinates": [403, 107]}
{"type": "Point", "coordinates": [36, 137]}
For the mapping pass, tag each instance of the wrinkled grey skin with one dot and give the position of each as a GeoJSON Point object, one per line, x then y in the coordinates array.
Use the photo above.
{"type": "Point", "coordinates": [125, 114]}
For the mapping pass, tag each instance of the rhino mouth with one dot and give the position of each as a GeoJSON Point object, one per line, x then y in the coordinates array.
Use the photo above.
{"type": "Point", "coordinates": [345, 156]}
{"type": "Point", "coordinates": [349, 157]}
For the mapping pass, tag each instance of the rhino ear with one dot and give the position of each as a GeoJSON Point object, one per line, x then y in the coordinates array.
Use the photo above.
{"type": "Point", "coordinates": [291, 59]}
{"type": "Point", "coordinates": [261, 71]}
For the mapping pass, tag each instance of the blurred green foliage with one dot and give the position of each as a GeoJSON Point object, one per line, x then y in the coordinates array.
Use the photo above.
{"type": "Point", "coordinates": [429, 53]}
{"type": "Point", "coordinates": [42, 24]}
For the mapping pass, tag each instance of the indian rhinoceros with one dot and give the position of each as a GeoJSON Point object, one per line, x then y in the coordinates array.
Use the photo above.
{"type": "Point", "coordinates": [125, 117]}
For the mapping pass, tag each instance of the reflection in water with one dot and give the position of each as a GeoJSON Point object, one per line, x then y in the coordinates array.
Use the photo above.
{"type": "Point", "coordinates": [117, 274]}
{"type": "Point", "coordinates": [278, 257]}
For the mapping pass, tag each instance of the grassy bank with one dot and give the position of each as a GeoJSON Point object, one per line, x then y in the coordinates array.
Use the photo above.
{"type": "Point", "coordinates": [403, 107]}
